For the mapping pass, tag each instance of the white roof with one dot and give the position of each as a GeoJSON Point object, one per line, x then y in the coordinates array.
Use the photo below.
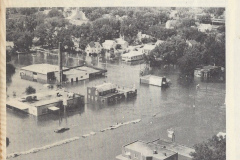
{"type": "Point", "coordinates": [109, 42]}
{"type": "Point", "coordinates": [132, 53]}
{"type": "Point", "coordinates": [53, 108]}
{"type": "Point", "coordinates": [149, 47]}
{"type": "Point", "coordinates": [73, 71]}
{"type": "Point", "coordinates": [42, 68]}
{"type": "Point", "coordinates": [105, 87]}
{"type": "Point", "coordinates": [9, 44]}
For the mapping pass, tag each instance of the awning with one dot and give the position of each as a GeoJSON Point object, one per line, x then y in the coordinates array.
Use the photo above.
{"type": "Point", "coordinates": [53, 108]}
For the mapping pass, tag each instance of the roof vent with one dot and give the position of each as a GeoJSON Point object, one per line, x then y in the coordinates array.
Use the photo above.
{"type": "Point", "coordinates": [155, 152]}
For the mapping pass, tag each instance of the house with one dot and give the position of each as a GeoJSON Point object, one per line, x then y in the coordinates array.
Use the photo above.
{"type": "Point", "coordinates": [170, 24]}
{"type": "Point", "coordinates": [159, 42]}
{"type": "Point", "coordinates": [140, 150]}
{"type": "Point", "coordinates": [205, 27]}
{"type": "Point", "coordinates": [108, 44]}
{"type": "Point", "coordinates": [155, 150]}
{"type": "Point", "coordinates": [122, 42]}
{"type": "Point", "coordinates": [191, 43]}
{"type": "Point", "coordinates": [93, 47]}
{"type": "Point", "coordinates": [140, 36]}
{"type": "Point", "coordinates": [132, 56]}
{"type": "Point", "coordinates": [210, 72]}
{"type": "Point", "coordinates": [9, 45]}
{"type": "Point", "coordinates": [148, 48]}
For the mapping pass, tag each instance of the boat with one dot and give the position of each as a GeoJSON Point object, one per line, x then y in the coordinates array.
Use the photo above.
{"type": "Point", "coordinates": [61, 130]}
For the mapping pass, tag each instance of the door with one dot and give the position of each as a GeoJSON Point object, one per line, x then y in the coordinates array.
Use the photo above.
{"type": "Point", "coordinates": [76, 79]}
{"type": "Point", "coordinates": [71, 80]}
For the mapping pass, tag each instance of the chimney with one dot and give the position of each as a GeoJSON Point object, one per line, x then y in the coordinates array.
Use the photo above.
{"type": "Point", "coordinates": [60, 64]}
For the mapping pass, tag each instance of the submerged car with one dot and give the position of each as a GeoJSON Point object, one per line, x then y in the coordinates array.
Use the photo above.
{"type": "Point", "coordinates": [61, 130]}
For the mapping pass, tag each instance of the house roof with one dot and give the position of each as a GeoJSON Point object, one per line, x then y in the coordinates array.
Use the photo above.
{"type": "Point", "coordinates": [132, 53]}
{"type": "Point", "coordinates": [9, 44]}
{"type": "Point", "coordinates": [109, 42]}
{"type": "Point", "coordinates": [94, 44]}
{"type": "Point", "coordinates": [149, 47]}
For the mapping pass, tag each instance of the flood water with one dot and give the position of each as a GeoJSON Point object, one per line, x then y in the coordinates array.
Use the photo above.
{"type": "Point", "coordinates": [158, 110]}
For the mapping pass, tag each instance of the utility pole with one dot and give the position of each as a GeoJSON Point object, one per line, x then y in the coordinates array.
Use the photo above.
{"type": "Point", "coordinates": [60, 64]}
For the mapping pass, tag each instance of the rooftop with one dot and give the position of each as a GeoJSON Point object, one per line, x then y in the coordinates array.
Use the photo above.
{"type": "Point", "coordinates": [180, 149]}
{"type": "Point", "coordinates": [88, 69]}
{"type": "Point", "coordinates": [146, 149]}
{"type": "Point", "coordinates": [105, 87]}
{"type": "Point", "coordinates": [109, 42]}
{"type": "Point", "coordinates": [149, 47]}
{"type": "Point", "coordinates": [132, 53]}
{"type": "Point", "coordinates": [42, 68]}
{"type": "Point", "coordinates": [73, 71]}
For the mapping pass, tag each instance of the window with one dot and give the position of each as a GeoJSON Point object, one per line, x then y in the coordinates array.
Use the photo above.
{"type": "Point", "coordinates": [81, 76]}
{"type": "Point", "coordinates": [86, 73]}
{"type": "Point", "coordinates": [34, 73]}
{"type": "Point", "coordinates": [89, 96]}
{"type": "Point", "coordinates": [96, 93]}
{"type": "Point", "coordinates": [89, 91]}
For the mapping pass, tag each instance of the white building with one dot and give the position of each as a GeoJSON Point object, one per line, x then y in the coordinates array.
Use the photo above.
{"type": "Point", "coordinates": [75, 75]}
{"type": "Point", "coordinates": [122, 42]}
{"type": "Point", "coordinates": [205, 27]}
{"type": "Point", "coordinates": [148, 48]}
{"type": "Point", "coordinates": [132, 56]}
{"type": "Point", "coordinates": [170, 24]}
{"type": "Point", "coordinates": [93, 47]}
{"type": "Point", "coordinates": [108, 44]}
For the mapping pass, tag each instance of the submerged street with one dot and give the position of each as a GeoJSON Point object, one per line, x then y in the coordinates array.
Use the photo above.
{"type": "Point", "coordinates": [158, 110]}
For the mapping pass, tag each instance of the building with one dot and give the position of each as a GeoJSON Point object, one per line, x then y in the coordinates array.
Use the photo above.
{"type": "Point", "coordinates": [155, 80]}
{"type": "Point", "coordinates": [148, 48]}
{"type": "Point", "coordinates": [9, 45]}
{"type": "Point", "coordinates": [44, 103]}
{"type": "Point", "coordinates": [140, 150]}
{"type": "Point", "coordinates": [93, 47]}
{"type": "Point", "coordinates": [122, 42]}
{"type": "Point", "coordinates": [109, 93]}
{"type": "Point", "coordinates": [210, 72]}
{"type": "Point", "coordinates": [92, 72]}
{"type": "Point", "coordinates": [43, 73]}
{"type": "Point", "coordinates": [170, 24]}
{"type": "Point", "coordinates": [159, 42]}
{"type": "Point", "coordinates": [155, 150]}
{"type": "Point", "coordinates": [74, 75]}
{"type": "Point", "coordinates": [205, 27]}
{"type": "Point", "coordinates": [108, 44]}
{"type": "Point", "coordinates": [132, 56]}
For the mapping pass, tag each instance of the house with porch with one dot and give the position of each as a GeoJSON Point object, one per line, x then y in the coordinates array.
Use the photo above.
{"type": "Point", "coordinates": [93, 47]}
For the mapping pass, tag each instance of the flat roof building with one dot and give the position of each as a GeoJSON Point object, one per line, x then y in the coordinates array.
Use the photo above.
{"type": "Point", "coordinates": [140, 150]}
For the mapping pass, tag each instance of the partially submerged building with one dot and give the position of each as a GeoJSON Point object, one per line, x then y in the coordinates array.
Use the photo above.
{"type": "Point", "coordinates": [210, 72]}
{"type": "Point", "coordinates": [44, 103]}
{"type": "Point", "coordinates": [109, 93]}
{"type": "Point", "coordinates": [156, 150]}
{"type": "Point", "coordinates": [155, 80]}
{"type": "Point", "coordinates": [47, 73]}
{"type": "Point", "coordinates": [43, 73]}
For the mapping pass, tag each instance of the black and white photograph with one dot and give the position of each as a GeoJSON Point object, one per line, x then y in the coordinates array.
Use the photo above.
{"type": "Point", "coordinates": [116, 83]}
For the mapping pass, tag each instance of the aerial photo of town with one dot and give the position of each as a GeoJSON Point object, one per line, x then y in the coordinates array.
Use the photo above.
{"type": "Point", "coordinates": [115, 83]}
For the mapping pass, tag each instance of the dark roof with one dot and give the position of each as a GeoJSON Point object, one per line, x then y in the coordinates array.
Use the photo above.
{"type": "Point", "coordinates": [94, 44]}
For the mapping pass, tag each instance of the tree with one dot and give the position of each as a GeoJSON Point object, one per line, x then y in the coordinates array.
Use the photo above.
{"type": "Point", "coordinates": [55, 13]}
{"type": "Point", "coordinates": [213, 149]}
{"type": "Point", "coordinates": [30, 90]}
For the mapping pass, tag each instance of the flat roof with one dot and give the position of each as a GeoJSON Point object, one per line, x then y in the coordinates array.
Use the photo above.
{"type": "Point", "coordinates": [42, 68]}
{"type": "Point", "coordinates": [73, 71]}
{"type": "Point", "coordinates": [132, 53]}
{"type": "Point", "coordinates": [180, 149]}
{"type": "Point", "coordinates": [17, 104]}
{"type": "Point", "coordinates": [147, 149]}
{"type": "Point", "coordinates": [88, 69]}
{"type": "Point", "coordinates": [105, 87]}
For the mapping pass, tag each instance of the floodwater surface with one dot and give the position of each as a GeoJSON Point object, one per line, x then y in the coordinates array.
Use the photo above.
{"type": "Point", "coordinates": [158, 110]}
